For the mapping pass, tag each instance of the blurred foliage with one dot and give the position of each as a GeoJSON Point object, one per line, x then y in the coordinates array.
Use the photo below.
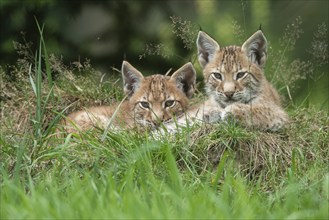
{"type": "Point", "coordinates": [158, 35]}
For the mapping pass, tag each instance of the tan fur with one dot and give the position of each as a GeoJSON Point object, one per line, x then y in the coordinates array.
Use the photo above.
{"type": "Point", "coordinates": [236, 83]}
{"type": "Point", "coordinates": [152, 100]}
{"type": "Point", "coordinates": [240, 92]}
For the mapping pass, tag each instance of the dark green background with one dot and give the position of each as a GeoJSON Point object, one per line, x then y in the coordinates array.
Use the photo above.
{"type": "Point", "coordinates": [107, 32]}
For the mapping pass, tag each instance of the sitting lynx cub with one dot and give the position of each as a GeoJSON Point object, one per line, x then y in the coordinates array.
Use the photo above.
{"type": "Point", "coordinates": [235, 82]}
{"type": "Point", "coordinates": [151, 100]}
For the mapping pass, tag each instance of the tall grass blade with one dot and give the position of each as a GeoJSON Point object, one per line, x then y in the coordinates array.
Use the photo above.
{"type": "Point", "coordinates": [46, 59]}
{"type": "Point", "coordinates": [112, 118]}
{"type": "Point", "coordinates": [32, 81]}
{"type": "Point", "coordinates": [53, 122]}
{"type": "Point", "coordinates": [173, 171]}
{"type": "Point", "coordinates": [38, 84]}
{"type": "Point", "coordinates": [220, 169]}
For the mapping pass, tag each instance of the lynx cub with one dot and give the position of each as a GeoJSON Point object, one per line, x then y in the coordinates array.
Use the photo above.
{"type": "Point", "coordinates": [151, 100]}
{"type": "Point", "coordinates": [235, 82]}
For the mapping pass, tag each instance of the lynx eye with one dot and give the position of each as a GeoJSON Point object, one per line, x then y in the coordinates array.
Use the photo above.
{"type": "Point", "coordinates": [217, 76]}
{"type": "Point", "coordinates": [170, 103]}
{"type": "Point", "coordinates": [240, 75]}
{"type": "Point", "coordinates": [144, 104]}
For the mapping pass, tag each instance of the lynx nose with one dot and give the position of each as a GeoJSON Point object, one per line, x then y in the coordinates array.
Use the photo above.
{"type": "Point", "coordinates": [157, 118]}
{"type": "Point", "coordinates": [229, 94]}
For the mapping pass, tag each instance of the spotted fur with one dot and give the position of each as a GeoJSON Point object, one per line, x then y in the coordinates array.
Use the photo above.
{"type": "Point", "coordinates": [152, 100]}
{"type": "Point", "coordinates": [235, 82]}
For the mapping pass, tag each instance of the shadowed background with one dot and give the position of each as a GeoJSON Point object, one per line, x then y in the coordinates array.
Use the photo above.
{"type": "Point", "coordinates": [155, 36]}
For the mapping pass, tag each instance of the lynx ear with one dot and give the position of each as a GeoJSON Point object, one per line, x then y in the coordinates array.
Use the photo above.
{"type": "Point", "coordinates": [256, 48]}
{"type": "Point", "coordinates": [207, 48]}
{"type": "Point", "coordinates": [185, 78]}
{"type": "Point", "coordinates": [131, 78]}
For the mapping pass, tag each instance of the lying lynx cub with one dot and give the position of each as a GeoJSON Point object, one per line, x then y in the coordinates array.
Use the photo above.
{"type": "Point", "coordinates": [151, 100]}
{"type": "Point", "coordinates": [235, 82]}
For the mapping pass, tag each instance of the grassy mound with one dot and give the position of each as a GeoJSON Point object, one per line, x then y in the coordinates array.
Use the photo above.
{"type": "Point", "coordinates": [207, 171]}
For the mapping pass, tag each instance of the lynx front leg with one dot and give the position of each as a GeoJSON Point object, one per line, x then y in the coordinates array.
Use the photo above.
{"type": "Point", "coordinates": [270, 118]}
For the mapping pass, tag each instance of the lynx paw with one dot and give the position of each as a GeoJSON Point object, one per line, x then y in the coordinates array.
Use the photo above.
{"type": "Point", "coordinates": [227, 117]}
{"type": "Point", "coordinates": [231, 114]}
{"type": "Point", "coordinates": [212, 117]}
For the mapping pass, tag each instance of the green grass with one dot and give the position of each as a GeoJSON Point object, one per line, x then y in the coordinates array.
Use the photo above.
{"type": "Point", "coordinates": [130, 176]}
{"type": "Point", "coordinates": [208, 171]}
